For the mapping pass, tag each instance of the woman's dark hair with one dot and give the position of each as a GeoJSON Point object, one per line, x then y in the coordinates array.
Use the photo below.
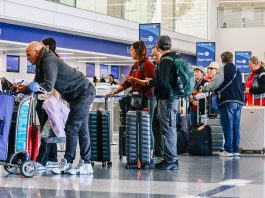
{"type": "Point", "coordinates": [227, 57]}
{"type": "Point", "coordinates": [140, 49]}
{"type": "Point", "coordinates": [51, 43]}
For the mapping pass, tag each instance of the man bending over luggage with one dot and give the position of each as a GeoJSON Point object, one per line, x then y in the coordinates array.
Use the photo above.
{"type": "Point", "coordinates": [78, 91]}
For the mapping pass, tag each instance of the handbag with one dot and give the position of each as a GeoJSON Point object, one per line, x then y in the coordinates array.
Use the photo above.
{"type": "Point", "coordinates": [215, 102]}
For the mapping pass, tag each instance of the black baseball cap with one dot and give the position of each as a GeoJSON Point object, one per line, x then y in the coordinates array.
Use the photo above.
{"type": "Point", "coordinates": [164, 42]}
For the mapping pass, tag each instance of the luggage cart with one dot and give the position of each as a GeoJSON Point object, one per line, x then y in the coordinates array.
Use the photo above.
{"type": "Point", "coordinates": [18, 156]}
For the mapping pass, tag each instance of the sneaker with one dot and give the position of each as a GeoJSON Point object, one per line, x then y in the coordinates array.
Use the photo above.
{"type": "Point", "coordinates": [236, 154]}
{"type": "Point", "coordinates": [63, 167]}
{"type": "Point", "coordinates": [225, 154]}
{"type": "Point", "coordinates": [82, 169]}
{"type": "Point", "coordinates": [164, 165]}
{"type": "Point", "coordinates": [50, 164]}
{"type": "Point", "coordinates": [157, 160]}
{"type": "Point", "coordinates": [40, 167]}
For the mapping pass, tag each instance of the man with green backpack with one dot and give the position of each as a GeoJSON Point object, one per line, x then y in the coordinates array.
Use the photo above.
{"type": "Point", "coordinates": [174, 79]}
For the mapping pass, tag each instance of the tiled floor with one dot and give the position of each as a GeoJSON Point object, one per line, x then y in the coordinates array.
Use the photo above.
{"type": "Point", "coordinates": [197, 177]}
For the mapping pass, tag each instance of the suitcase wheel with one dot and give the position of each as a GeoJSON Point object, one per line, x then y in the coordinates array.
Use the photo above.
{"type": "Point", "coordinates": [10, 169]}
{"type": "Point", "coordinates": [109, 164]}
{"type": "Point", "coordinates": [103, 164]}
{"type": "Point", "coordinates": [28, 168]}
{"type": "Point", "coordinates": [92, 163]}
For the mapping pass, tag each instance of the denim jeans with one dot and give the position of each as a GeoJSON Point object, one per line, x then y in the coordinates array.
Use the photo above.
{"type": "Point", "coordinates": [47, 152]}
{"type": "Point", "coordinates": [168, 113]}
{"type": "Point", "coordinates": [193, 118]}
{"type": "Point", "coordinates": [158, 136]}
{"type": "Point", "coordinates": [151, 106]}
{"type": "Point", "coordinates": [230, 120]}
{"type": "Point", "coordinates": [77, 126]}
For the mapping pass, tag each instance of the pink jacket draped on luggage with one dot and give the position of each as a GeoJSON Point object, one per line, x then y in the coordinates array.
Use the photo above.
{"type": "Point", "coordinates": [57, 115]}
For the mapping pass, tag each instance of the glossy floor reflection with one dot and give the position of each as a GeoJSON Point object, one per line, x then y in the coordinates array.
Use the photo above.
{"type": "Point", "coordinates": [197, 177]}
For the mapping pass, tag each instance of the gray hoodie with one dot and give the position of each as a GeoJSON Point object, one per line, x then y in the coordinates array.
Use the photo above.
{"type": "Point", "coordinates": [52, 72]}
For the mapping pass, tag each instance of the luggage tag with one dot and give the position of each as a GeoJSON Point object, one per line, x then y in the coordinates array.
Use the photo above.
{"type": "Point", "coordinates": [200, 128]}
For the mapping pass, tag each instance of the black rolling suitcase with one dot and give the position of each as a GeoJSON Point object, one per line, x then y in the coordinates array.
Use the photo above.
{"type": "Point", "coordinates": [138, 144]}
{"type": "Point", "coordinates": [200, 138]}
{"type": "Point", "coordinates": [125, 104]}
{"type": "Point", "coordinates": [122, 141]}
{"type": "Point", "coordinates": [200, 142]}
{"type": "Point", "coordinates": [99, 130]}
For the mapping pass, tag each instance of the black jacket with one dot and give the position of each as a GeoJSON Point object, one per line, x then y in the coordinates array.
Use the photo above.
{"type": "Point", "coordinates": [258, 83]}
{"type": "Point", "coordinates": [234, 92]}
{"type": "Point", "coordinates": [52, 72]}
{"type": "Point", "coordinates": [165, 76]}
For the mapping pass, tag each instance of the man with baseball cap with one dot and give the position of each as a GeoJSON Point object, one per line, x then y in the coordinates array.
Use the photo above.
{"type": "Point", "coordinates": [167, 105]}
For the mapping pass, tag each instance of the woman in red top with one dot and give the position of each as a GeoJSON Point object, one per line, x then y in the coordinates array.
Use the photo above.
{"type": "Point", "coordinates": [255, 83]}
{"type": "Point", "coordinates": [143, 68]}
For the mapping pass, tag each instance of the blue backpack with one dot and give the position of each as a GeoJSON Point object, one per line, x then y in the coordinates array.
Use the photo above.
{"type": "Point", "coordinates": [184, 82]}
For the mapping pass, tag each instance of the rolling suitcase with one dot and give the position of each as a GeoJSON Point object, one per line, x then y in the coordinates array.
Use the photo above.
{"type": "Point", "coordinates": [252, 128]}
{"type": "Point", "coordinates": [122, 141]}
{"type": "Point", "coordinates": [7, 103]}
{"type": "Point", "coordinates": [138, 144]}
{"type": "Point", "coordinates": [99, 130]}
{"type": "Point", "coordinates": [200, 138]}
{"type": "Point", "coordinates": [125, 104]}
{"type": "Point", "coordinates": [33, 141]}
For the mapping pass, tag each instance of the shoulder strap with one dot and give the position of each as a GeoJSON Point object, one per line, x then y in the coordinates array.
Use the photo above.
{"type": "Point", "coordinates": [142, 65]}
{"type": "Point", "coordinates": [229, 82]}
{"type": "Point", "coordinates": [261, 74]}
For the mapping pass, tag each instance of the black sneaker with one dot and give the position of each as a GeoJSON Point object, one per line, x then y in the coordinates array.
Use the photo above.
{"type": "Point", "coordinates": [164, 165]}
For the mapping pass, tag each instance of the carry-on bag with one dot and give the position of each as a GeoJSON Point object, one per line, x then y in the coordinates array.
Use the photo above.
{"type": "Point", "coordinates": [99, 130]}
{"type": "Point", "coordinates": [6, 111]}
{"type": "Point", "coordinates": [138, 144]}
{"type": "Point", "coordinates": [200, 139]}
{"type": "Point", "coordinates": [252, 128]}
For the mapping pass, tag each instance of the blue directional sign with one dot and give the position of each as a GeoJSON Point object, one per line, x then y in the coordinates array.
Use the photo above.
{"type": "Point", "coordinates": [205, 53]}
{"type": "Point", "coordinates": [241, 61]}
{"type": "Point", "coordinates": [149, 34]}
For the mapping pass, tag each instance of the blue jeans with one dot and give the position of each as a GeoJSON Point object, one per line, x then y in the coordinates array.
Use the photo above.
{"type": "Point", "coordinates": [193, 118]}
{"type": "Point", "coordinates": [230, 120]}
{"type": "Point", "coordinates": [168, 113]}
{"type": "Point", "coordinates": [151, 106]}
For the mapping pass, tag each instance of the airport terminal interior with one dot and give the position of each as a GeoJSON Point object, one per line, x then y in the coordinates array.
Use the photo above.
{"type": "Point", "coordinates": [95, 38]}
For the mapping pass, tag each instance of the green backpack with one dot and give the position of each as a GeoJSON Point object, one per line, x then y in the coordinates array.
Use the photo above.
{"type": "Point", "coordinates": [184, 82]}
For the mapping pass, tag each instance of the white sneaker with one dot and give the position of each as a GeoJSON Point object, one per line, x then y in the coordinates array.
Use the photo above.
{"type": "Point", "coordinates": [50, 164]}
{"type": "Point", "coordinates": [40, 167]}
{"type": "Point", "coordinates": [63, 167]}
{"type": "Point", "coordinates": [236, 154]}
{"type": "Point", "coordinates": [225, 154]}
{"type": "Point", "coordinates": [82, 169]}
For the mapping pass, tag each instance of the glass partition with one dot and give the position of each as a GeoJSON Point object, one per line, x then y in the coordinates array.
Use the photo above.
{"type": "Point", "coordinates": [183, 16]}
{"type": "Point", "coordinates": [241, 17]}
